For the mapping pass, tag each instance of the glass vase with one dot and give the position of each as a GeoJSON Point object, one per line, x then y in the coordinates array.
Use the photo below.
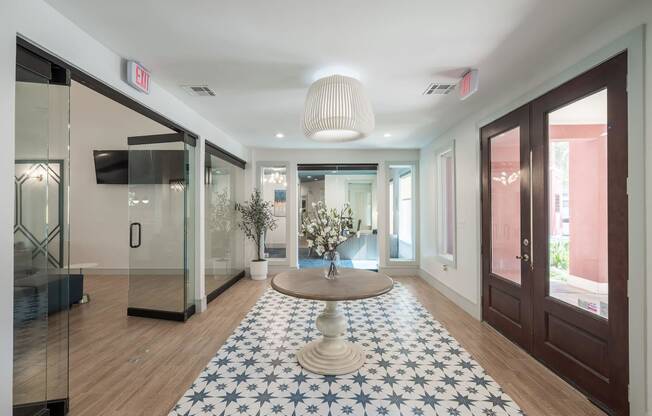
{"type": "Point", "coordinates": [331, 264]}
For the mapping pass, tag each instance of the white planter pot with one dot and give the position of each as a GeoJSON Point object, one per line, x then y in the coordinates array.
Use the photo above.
{"type": "Point", "coordinates": [258, 270]}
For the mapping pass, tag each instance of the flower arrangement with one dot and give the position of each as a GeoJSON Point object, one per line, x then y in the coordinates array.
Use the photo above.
{"type": "Point", "coordinates": [256, 219]}
{"type": "Point", "coordinates": [325, 229]}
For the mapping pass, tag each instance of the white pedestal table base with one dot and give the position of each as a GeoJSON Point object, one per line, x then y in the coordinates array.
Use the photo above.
{"type": "Point", "coordinates": [332, 354]}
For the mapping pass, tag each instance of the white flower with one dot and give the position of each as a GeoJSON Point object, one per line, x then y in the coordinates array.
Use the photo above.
{"type": "Point", "coordinates": [310, 243]}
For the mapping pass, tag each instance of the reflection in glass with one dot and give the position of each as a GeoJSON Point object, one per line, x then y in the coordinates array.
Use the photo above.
{"type": "Point", "coordinates": [577, 180]}
{"type": "Point", "coordinates": [41, 236]}
{"type": "Point", "coordinates": [505, 189]}
{"type": "Point", "coordinates": [401, 211]}
{"type": "Point", "coordinates": [224, 244]}
{"type": "Point", "coordinates": [274, 185]}
{"type": "Point", "coordinates": [336, 186]}
{"type": "Point", "coordinates": [161, 217]}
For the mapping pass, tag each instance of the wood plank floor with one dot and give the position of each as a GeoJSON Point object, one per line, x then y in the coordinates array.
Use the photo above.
{"type": "Point", "coordinates": [131, 366]}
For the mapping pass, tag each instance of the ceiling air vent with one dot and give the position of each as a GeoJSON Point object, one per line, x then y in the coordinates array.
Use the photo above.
{"type": "Point", "coordinates": [199, 90]}
{"type": "Point", "coordinates": [435, 88]}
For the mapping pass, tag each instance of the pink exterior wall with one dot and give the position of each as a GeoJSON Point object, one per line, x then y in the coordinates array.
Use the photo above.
{"type": "Point", "coordinates": [587, 162]}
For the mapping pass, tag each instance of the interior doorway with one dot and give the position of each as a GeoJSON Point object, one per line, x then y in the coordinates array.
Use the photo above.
{"type": "Point", "coordinates": [554, 228]}
{"type": "Point", "coordinates": [336, 185]}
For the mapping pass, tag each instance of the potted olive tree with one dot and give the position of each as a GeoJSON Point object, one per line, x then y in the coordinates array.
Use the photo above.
{"type": "Point", "coordinates": [256, 219]}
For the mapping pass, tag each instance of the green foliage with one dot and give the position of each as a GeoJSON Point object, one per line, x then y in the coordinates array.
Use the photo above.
{"type": "Point", "coordinates": [256, 219]}
{"type": "Point", "coordinates": [559, 254]}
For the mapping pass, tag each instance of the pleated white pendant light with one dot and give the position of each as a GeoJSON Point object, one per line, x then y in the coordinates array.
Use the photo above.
{"type": "Point", "coordinates": [337, 110]}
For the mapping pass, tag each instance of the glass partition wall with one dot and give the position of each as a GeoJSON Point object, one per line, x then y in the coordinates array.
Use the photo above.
{"type": "Point", "coordinates": [41, 236]}
{"type": "Point", "coordinates": [161, 194]}
{"type": "Point", "coordinates": [336, 185]}
{"type": "Point", "coordinates": [224, 244]}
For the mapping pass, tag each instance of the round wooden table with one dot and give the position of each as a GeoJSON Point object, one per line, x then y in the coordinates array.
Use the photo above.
{"type": "Point", "coordinates": [332, 354]}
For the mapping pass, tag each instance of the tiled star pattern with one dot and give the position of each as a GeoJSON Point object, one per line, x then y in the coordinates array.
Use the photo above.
{"type": "Point", "coordinates": [413, 366]}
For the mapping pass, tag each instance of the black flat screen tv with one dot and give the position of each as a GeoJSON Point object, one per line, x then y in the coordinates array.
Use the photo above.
{"type": "Point", "coordinates": [111, 166]}
{"type": "Point", "coordinates": [147, 166]}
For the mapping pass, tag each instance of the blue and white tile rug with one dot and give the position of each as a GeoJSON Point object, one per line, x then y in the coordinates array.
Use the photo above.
{"type": "Point", "coordinates": [413, 366]}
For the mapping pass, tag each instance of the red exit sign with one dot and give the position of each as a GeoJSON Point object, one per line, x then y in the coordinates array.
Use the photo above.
{"type": "Point", "coordinates": [469, 84]}
{"type": "Point", "coordinates": [138, 77]}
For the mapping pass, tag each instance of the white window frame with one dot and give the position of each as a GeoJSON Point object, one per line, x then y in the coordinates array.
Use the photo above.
{"type": "Point", "coordinates": [260, 165]}
{"type": "Point", "coordinates": [414, 167]}
{"type": "Point", "coordinates": [445, 258]}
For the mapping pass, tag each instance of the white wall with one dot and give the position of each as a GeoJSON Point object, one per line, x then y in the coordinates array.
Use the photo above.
{"type": "Point", "coordinates": [298, 156]}
{"type": "Point", "coordinates": [464, 283]}
{"type": "Point", "coordinates": [99, 213]}
{"type": "Point", "coordinates": [41, 24]}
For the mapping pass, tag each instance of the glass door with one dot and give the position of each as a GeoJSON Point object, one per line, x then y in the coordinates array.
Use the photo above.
{"type": "Point", "coordinates": [161, 226]}
{"type": "Point", "coordinates": [507, 282]}
{"type": "Point", "coordinates": [581, 256]}
{"type": "Point", "coordinates": [336, 185]}
{"type": "Point", "coordinates": [224, 244]}
{"type": "Point", "coordinates": [41, 235]}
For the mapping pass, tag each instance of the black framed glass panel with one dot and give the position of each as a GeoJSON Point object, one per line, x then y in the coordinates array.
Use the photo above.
{"type": "Point", "coordinates": [42, 290]}
{"type": "Point", "coordinates": [161, 226]}
{"type": "Point", "coordinates": [224, 244]}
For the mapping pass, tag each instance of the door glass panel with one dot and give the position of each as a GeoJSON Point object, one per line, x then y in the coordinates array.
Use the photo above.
{"type": "Point", "coordinates": [401, 211]}
{"type": "Point", "coordinates": [274, 186]}
{"type": "Point", "coordinates": [336, 186]}
{"type": "Point", "coordinates": [157, 189]}
{"type": "Point", "coordinates": [224, 244]}
{"type": "Point", "coordinates": [577, 180]}
{"type": "Point", "coordinates": [505, 188]}
{"type": "Point", "coordinates": [41, 250]}
{"type": "Point", "coordinates": [30, 260]}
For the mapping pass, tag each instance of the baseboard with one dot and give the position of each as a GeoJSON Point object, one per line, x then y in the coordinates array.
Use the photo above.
{"type": "Point", "coordinates": [164, 315]}
{"type": "Point", "coordinates": [225, 286]}
{"type": "Point", "coordinates": [469, 307]}
{"type": "Point", "coordinates": [398, 271]}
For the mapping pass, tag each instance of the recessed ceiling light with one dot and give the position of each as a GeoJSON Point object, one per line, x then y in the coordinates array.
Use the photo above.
{"type": "Point", "coordinates": [309, 177]}
{"type": "Point", "coordinates": [279, 135]}
{"type": "Point", "coordinates": [387, 135]}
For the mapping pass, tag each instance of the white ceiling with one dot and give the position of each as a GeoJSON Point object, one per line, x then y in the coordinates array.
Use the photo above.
{"type": "Point", "coordinates": [261, 56]}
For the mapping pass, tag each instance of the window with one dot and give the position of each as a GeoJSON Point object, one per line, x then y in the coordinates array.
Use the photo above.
{"type": "Point", "coordinates": [445, 204]}
{"type": "Point", "coordinates": [402, 211]}
{"type": "Point", "coordinates": [273, 184]}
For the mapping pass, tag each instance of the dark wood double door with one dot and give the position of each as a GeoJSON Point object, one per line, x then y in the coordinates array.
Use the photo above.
{"type": "Point", "coordinates": [554, 231]}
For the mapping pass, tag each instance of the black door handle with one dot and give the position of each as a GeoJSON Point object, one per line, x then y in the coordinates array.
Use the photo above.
{"type": "Point", "coordinates": [131, 235]}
